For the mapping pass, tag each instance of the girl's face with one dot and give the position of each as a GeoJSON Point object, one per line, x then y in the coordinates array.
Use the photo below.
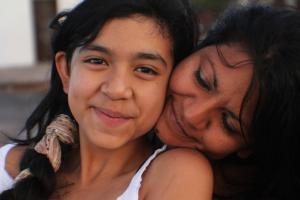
{"type": "Point", "coordinates": [206, 96]}
{"type": "Point", "coordinates": [116, 85]}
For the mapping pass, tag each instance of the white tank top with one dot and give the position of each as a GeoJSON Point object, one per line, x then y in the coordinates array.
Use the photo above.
{"type": "Point", "coordinates": [6, 181]}
{"type": "Point", "coordinates": [131, 192]}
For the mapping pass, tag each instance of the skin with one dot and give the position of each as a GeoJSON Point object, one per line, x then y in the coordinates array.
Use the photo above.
{"type": "Point", "coordinates": [183, 174]}
{"type": "Point", "coordinates": [206, 96]}
{"type": "Point", "coordinates": [112, 81]}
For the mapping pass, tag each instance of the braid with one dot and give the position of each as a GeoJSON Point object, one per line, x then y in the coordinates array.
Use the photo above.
{"type": "Point", "coordinates": [42, 182]}
{"type": "Point", "coordinates": [39, 185]}
{"type": "Point", "coordinates": [37, 179]}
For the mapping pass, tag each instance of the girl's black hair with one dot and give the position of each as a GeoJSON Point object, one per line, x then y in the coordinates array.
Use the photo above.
{"type": "Point", "coordinates": [272, 39]}
{"type": "Point", "coordinates": [75, 28]}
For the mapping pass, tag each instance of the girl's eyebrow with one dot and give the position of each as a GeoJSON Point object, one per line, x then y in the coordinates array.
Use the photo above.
{"type": "Point", "coordinates": [151, 56]}
{"type": "Point", "coordinates": [98, 48]}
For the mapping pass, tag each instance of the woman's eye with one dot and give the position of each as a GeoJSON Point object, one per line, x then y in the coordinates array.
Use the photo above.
{"type": "Point", "coordinates": [146, 70]}
{"type": "Point", "coordinates": [201, 79]}
{"type": "Point", "coordinates": [229, 123]}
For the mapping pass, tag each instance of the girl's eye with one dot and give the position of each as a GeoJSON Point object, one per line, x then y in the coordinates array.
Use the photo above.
{"type": "Point", "coordinates": [202, 81]}
{"type": "Point", "coordinates": [146, 70]}
{"type": "Point", "coordinates": [229, 123]}
{"type": "Point", "coordinates": [96, 61]}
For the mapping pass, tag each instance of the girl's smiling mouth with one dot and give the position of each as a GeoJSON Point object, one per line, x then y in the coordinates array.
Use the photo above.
{"type": "Point", "coordinates": [111, 118]}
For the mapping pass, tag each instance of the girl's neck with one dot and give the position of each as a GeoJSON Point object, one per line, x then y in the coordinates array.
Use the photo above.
{"type": "Point", "coordinates": [103, 164]}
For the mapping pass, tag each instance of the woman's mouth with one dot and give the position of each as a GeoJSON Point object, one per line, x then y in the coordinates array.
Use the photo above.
{"type": "Point", "coordinates": [174, 120]}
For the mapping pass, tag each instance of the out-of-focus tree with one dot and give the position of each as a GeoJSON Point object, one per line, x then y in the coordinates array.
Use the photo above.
{"type": "Point", "coordinates": [208, 10]}
{"type": "Point", "coordinates": [215, 6]}
{"type": "Point", "coordinates": [289, 3]}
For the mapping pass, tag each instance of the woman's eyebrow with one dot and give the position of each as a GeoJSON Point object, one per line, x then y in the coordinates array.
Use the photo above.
{"type": "Point", "coordinates": [215, 80]}
{"type": "Point", "coordinates": [216, 84]}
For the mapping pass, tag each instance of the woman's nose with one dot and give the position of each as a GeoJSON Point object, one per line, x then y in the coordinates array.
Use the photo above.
{"type": "Point", "coordinates": [200, 113]}
{"type": "Point", "coordinates": [117, 86]}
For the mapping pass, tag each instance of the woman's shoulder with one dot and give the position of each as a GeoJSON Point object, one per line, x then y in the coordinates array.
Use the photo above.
{"type": "Point", "coordinates": [183, 158]}
{"type": "Point", "coordinates": [178, 174]}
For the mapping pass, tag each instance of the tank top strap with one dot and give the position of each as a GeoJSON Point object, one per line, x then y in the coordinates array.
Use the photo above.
{"type": "Point", "coordinates": [132, 191]}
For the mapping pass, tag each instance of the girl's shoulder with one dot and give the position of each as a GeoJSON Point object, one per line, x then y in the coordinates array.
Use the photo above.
{"type": "Point", "coordinates": [178, 174]}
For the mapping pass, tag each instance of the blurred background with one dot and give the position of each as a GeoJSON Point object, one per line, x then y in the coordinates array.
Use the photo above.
{"type": "Point", "coordinates": [25, 53]}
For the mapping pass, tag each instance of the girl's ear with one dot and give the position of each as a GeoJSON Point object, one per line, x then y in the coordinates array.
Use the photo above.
{"type": "Point", "coordinates": [63, 70]}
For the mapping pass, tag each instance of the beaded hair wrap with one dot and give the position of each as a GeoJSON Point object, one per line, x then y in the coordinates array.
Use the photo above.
{"type": "Point", "coordinates": [61, 129]}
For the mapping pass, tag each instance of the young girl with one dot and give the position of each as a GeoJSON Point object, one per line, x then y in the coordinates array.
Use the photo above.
{"type": "Point", "coordinates": [112, 62]}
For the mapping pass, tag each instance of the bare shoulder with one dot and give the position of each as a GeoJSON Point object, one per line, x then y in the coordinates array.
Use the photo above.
{"type": "Point", "coordinates": [13, 160]}
{"type": "Point", "coordinates": [178, 174]}
{"type": "Point", "coordinates": [182, 158]}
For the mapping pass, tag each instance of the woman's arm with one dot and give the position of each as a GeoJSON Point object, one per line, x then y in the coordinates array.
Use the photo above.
{"type": "Point", "coordinates": [178, 174]}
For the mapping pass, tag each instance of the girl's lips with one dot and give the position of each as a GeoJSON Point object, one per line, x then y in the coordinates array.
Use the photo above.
{"type": "Point", "coordinates": [111, 118]}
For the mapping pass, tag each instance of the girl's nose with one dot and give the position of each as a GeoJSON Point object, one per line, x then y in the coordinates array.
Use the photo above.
{"type": "Point", "coordinates": [117, 86]}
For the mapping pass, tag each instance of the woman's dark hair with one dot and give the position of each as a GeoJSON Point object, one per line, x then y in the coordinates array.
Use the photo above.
{"type": "Point", "coordinates": [271, 37]}
{"type": "Point", "coordinates": [78, 27]}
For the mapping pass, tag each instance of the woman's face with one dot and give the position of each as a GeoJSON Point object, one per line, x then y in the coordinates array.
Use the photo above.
{"type": "Point", "coordinates": [206, 96]}
{"type": "Point", "coordinates": [116, 85]}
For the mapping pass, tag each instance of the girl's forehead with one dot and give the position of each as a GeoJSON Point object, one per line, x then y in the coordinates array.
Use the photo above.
{"type": "Point", "coordinates": [131, 37]}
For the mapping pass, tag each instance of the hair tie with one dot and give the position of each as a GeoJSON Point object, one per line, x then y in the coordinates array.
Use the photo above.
{"type": "Point", "coordinates": [58, 21]}
{"type": "Point", "coordinates": [23, 174]}
{"type": "Point", "coordinates": [61, 129]}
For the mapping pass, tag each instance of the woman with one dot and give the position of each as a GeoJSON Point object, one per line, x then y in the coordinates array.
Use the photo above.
{"type": "Point", "coordinates": [110, 57]}
{"type": "Point", "coordinates": [237, 100]}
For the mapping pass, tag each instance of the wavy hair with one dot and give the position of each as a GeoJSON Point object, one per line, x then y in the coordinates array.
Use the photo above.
{"type": "Point", "coordinates": [271, 37]}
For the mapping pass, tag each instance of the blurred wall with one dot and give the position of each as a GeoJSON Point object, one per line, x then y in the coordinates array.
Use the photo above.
{"type": "Point", "coordinates": [63, 4]}
{"type": "Point", "coordinates": [17, 32]}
